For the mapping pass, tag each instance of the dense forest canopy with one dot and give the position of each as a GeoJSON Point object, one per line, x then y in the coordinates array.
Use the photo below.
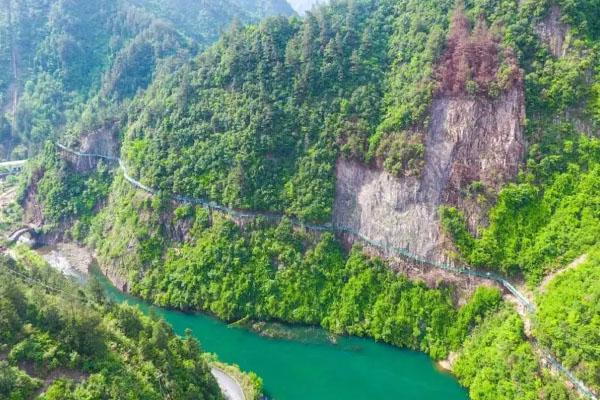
{"type": "Point", "coordinates": [259, 120]}
{"type": "Point", "coordinates": [70, 343]}
{"type": "Point", "coordinates": [69, 63]}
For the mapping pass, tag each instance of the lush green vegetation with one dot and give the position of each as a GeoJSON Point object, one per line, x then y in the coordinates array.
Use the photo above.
{"type": "Point", "coordinates": [550, 217]}
{"type": "Point", "coordinates": [73, 344]}
{"type": "Point", "coordinates": [259, 120]}
{"type": "Point", "coordinates": [72, 63]}
{"type": "Point", "coordinates": [254, 121]}
{"type": "Point", "coordinates": [497, 362]}
{"type": "Point", "coordinates": [275, 273]}
{"type": "Point", "coordinates": [65, 195]}
{"type": "Point", "coordinates": [568, 319]}
{"type": "Point", "coordinates": [278, 273]}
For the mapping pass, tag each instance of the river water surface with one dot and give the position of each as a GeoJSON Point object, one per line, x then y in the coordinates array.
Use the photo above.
{"type": "Point", "coordinates": [352, 368]}
{"type": "Point", "coordinates": [308, 367]}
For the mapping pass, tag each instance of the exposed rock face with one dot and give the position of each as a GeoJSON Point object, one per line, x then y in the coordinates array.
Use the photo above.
{"type": "Point", "coordinates": [470, 139]}
{"type": "Point", "coordinates": [115, 276]}
{"type": "Point", "coordinates": [554, 33]}
{"type": "Point", "coordinates": [102, 141]}
{"type": "Point", "coordinates": [32, 210]}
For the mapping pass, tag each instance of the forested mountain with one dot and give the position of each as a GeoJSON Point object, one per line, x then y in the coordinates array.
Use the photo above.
{"type": "Point", "coordinates": [302, 6]}
{"type": "Point", "coordinates": [204, 20]}
{"type": "Point", "coordinates": [64, 62]}
{"type": "Point", "coordinates": [463, 131]}
{"type": "Point", "coordinates": [60, 342]}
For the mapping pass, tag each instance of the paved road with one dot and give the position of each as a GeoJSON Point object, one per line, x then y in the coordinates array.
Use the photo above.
{"type": "Point", "coordinates": [230, 388]}
{"type": "Point", "coordinates": [11, 164]}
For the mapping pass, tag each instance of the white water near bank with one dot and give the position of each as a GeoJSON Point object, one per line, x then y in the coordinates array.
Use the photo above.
{"type": "Point", "coordinates": [69, 259]}
{"type": "Point", "coordinates": [75, 261]}
{"type": "Point", "coordinates": [292, 369]}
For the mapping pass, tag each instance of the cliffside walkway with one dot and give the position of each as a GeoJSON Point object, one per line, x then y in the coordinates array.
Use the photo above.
{"type": "Point", "coordinates": [276, 217]}
{"type": "Point", "coordinates": [11, 167]}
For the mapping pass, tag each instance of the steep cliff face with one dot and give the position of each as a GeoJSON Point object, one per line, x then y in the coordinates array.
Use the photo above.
{"type": "Point", "coordinates": [470, 139]}
{"type": "Point", "coordinates": [554, 33]}
{"type": "Point", "coordinates": [102, 141]}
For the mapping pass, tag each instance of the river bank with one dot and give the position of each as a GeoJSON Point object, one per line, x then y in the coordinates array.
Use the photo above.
{"type": "Point", "coordinates": [293, 368]}
{"type": "Point", "coordinates": [77, 262]}
{"type": "Point", "coordinates": [69, 259]}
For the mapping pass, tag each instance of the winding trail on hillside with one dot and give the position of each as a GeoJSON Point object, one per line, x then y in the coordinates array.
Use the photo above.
{"type": "Point", "coordinates": [550, 277]}
{"type": "Point", "coordinates": [527, 309]}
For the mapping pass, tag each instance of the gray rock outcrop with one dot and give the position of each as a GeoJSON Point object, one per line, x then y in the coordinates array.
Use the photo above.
{"type": "Point", "coordinates": [469, 139]}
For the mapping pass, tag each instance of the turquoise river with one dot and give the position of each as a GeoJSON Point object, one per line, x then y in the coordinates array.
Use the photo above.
{"type": "Point", "coordinates": [352, 368]}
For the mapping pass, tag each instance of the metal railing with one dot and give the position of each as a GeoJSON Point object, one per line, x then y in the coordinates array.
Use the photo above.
{"type": "Point", "coordinates": [405, 253]}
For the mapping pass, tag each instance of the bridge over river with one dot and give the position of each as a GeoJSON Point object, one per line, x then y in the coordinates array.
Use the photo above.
{"type": "Point", "coordinates": [11, 167]}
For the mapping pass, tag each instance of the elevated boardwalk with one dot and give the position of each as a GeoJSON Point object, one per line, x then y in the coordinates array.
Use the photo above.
{"type": "Point", "coordinates": [11, 167]}
{"type": "Point", "coordinates": [404, 253]}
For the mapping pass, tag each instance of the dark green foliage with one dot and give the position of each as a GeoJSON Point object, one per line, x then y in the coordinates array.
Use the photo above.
{"type": "Point", "coordinates": [404, 154]}
{"type": "Point", "coordinates": [454, 224]}
{"type": "Point", "coordinates": [205, 21]}
{"type": "Point", "coordinates": [57, 56]}
{"type": "Point", "coordinates": [257, 121]}
{"type": "Point", "coordinates": [63, 193]}
{"type": "Point", "coordinates": [100, 350]}
{"type": "Point", "coordinates": [16, 384]}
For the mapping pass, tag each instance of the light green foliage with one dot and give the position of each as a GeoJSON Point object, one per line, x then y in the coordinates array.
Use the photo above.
{"type": "Point", "coordinates": [549, 218]}
{"type": "Point", "coordinates": [568, 319]}
{"type": "Point", "coordinates": [498, 363]}
{"type": "Point", "coordinates": [101, 350]}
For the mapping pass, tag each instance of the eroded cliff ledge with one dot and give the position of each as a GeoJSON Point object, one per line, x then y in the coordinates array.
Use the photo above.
{"type": "Point", "coordinates": [470, 139]}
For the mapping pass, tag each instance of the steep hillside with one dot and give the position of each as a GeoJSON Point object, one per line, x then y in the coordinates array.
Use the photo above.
{"type": "Point", "coordinates": [69, 344]}
{"type": "Point", "coordinates": [303, 118]}
{"type": "Point", "coordinates": [68, 63]}
{"type": "Point", "coordinates": [453, 131]}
